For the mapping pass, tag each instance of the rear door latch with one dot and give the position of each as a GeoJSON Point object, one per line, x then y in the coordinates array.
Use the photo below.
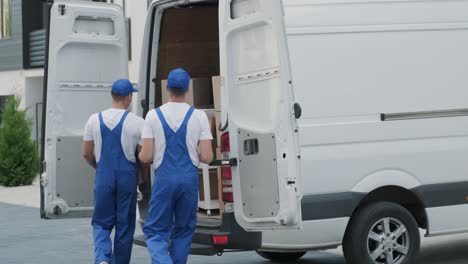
{"type": "Point", "coordinates": [224, 162]}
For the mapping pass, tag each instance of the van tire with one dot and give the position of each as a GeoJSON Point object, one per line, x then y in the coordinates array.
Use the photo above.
{"type": "Point", "coordinates": [359, 242]}
{"type": "Point", "coordinates": [282, 257]}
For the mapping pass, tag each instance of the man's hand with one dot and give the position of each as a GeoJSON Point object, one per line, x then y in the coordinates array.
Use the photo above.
{"type": "Point", "coordinates": [143, 170]}
{"type": "Point", "coordinates": [88, 153]}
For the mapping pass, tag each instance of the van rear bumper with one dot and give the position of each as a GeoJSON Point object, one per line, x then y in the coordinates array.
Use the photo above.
{"type": "Point", "coordinates": [239, 239]}
{"type": "Point", "coordinates": [202, 243]}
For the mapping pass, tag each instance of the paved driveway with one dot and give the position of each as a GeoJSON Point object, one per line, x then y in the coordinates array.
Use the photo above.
{"type": "Point", "coordinates": [24, 238]}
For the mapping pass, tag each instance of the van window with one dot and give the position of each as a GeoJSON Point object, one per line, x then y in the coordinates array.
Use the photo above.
{"type": "Point", "coordinates": [240, 8]}
{"type": "Point", "coordinates": [101, 26]}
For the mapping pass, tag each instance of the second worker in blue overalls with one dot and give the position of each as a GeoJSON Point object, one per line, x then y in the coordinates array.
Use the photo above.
{"type": "Point", "coordinates": [176, 137]}
{"type": "Point", "coordinates": [111, 139]}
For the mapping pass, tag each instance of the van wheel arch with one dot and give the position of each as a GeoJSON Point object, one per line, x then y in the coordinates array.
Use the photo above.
{"type": "Point", "coordinates": [396, 194]}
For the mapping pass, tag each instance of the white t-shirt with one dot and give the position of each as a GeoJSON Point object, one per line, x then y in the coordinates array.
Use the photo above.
{"type": "Point", "coordinates": [131, 131]}
{"type": "Point", "coordinates": [198, 128]}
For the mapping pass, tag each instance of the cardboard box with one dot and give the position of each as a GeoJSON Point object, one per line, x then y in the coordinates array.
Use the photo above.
{"type": "Point", "coordinates": [216, 83]}
{"type": "Point", "coordinates": [188, 40]}
{"type": "Point", "coordinates": [214, 185]}
{"type": "Point", "coordinates": [200, 93]}
{"type": "Point", "coordinates": [218, 133]}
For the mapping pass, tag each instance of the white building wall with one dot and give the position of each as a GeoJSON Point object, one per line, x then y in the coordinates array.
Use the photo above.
{"type": "Point", "coordinates": [32, 101]}
{"type": "Point", "coordinates": [11, 83]}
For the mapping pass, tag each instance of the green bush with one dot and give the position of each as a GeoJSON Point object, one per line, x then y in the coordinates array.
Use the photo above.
{"type": "Point", "coordinates": [18, 154]}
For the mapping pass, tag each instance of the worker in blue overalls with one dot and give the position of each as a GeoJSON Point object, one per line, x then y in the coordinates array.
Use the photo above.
{"type": "Point", "coordinates": [111, 141]}
{"type": "Point", "coordinates": [176, 137]}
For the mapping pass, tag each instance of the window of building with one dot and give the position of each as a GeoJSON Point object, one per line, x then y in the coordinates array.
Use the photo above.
{"type": "Point", "coordinates": [5, 19]}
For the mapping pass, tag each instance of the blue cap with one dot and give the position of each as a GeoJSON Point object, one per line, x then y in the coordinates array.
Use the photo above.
{"type": "Point", "coordinates": [123, 87]}
{"type": "Point", "coordinates": [178, 79]}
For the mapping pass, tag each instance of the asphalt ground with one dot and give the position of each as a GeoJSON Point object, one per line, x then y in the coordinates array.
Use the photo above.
{"type": "Point", "coordinates": [25, 238]}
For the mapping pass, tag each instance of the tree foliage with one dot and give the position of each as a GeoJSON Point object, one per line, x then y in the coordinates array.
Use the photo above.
{"type": "Point", "coordinates": [18, 153]}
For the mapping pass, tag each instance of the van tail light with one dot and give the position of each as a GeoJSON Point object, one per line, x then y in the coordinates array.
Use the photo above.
{"type": "Point", "coordinates": [225, 144]}
{"type": "Point", "coordinates": [226, 177]}
{"type": "Point", "coordinates": [220, 240]}
{"type": "Point", "coordinates": [226, 173]}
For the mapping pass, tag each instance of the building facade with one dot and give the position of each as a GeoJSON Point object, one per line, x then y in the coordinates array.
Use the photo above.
{"type": "Point", "coordinates": [23, 26]}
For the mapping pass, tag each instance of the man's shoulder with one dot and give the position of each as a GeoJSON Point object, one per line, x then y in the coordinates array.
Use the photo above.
{"type": "Point", "coordinates": [199, 113]}
{"type": "Point", "coordinates": [152, 114]}
{"type": "Point", "coordinates": [200, 117]}
{"type": "Point", "coordinates": [93, 118]}
{"type": "Point", "coordinates": [135, 117]}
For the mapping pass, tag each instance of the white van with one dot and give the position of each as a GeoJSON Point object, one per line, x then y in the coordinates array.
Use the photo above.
{"type": "Point", "coordinates": [345, 122]}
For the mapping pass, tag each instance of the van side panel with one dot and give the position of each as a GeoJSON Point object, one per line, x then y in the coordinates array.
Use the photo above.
{"type": "Point", "coordinates": [327, 233]}
{"type": "Point", "coordinates": [356, 60]}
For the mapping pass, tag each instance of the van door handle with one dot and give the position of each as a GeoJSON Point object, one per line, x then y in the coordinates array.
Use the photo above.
{"type": "Point", "coordinates": [297, 110]}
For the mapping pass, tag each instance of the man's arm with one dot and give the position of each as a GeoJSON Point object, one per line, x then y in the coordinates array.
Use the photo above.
{"type": "Point", "coordinates": [205, 151]}
{"type": "Point", "coordinates": [143, 172]}
{"type": "Point", "coordinates": [88, 153]}
{"type": "Point", "coordinates": [146, 153]}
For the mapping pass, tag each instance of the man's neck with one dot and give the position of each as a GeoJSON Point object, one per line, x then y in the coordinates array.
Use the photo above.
{"type": "Point", "coordinates": [118, 105]}
{"type": "Point", "coordinates": [174, 99]}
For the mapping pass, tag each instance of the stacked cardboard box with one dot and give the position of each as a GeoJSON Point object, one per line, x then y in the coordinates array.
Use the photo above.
{"type": "Point", "coordinates": [190, 42]}
{"type": "Point", "coordinates": [199, 93]}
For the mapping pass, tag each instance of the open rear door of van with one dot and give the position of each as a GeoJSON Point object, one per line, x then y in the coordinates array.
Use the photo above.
{"type": "Point", "coordinates": [87, 52]}
{"type": "Point", "coordinates": [259, 102]}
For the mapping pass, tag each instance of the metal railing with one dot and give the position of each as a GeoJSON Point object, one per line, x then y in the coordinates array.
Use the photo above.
{"type": "Point", "coordinates": [37, 43]}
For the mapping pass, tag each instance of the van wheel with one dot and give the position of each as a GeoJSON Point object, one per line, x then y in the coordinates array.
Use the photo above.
{"type": "Point", "coordinates": [281, 257]}
{"type": "Point", "coordinates": [381, 233]}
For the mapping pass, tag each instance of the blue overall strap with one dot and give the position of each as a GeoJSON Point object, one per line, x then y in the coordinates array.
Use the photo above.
{"type": "Point", "coordinates": [122, 120]}
{"type": "Point", "coordinates": [166, 125]}
{"type": "Point", "coordinates": [101, 120]}
{"type": "Point", "coordinates": [162, 119]}
{"type": "Point", "coordinates": [187, 116]}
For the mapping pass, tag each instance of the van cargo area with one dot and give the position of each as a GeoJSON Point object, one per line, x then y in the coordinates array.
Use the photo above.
{"type": "Point", "coordinates": [188, 39]}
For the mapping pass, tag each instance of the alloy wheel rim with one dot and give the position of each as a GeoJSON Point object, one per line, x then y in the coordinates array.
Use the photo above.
{"type": "Point", "coordinates": [388, 241]}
